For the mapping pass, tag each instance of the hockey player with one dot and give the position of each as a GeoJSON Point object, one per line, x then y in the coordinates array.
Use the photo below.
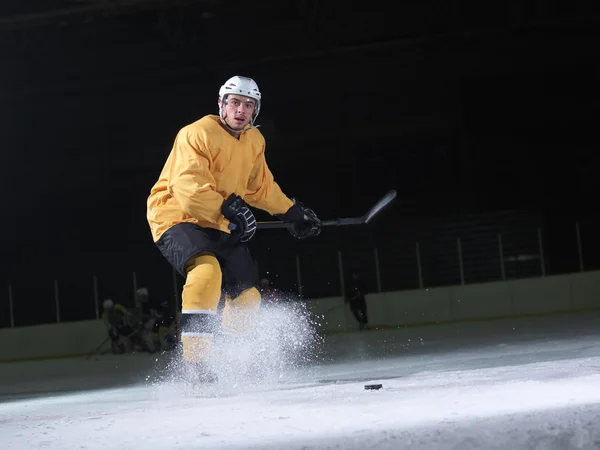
{"type": "Point", "coordinates": [199, 217]}
{"type": "Point", "coordinates": [117, 321]}
{"type": "Point", "coordinates": [356, 297]}
{"type": "Point", "coordinates": [123, 329]}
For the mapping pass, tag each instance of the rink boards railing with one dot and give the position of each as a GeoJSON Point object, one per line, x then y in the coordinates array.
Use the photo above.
{"type": "Point", "coordinates": [443, 255]}
{"type": "Point", "coordinates": [512, 298]}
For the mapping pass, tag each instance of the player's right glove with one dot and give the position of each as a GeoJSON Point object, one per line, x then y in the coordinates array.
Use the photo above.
{"type": "Point", "coordinates": [305, 222]}
{"type": "Point", "coordinates": [239, 215]}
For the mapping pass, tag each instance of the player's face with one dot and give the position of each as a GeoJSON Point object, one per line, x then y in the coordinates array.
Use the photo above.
{"type": "Point", "coordinates": [239, 110]}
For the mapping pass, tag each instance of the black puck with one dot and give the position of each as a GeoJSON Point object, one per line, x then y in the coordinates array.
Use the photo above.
{"type": "Point", "coordinates": [373, 387]}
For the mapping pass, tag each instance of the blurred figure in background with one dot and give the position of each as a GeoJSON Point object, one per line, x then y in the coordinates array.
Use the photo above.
{"type": "Point", "coordinates": [124, 330]}
{"type": "Point", "coordinates": [161, 324]}
{"type": "Point", "coordinates": [356, 297]}
{"type": "Point", "coordinates": [118, 323]}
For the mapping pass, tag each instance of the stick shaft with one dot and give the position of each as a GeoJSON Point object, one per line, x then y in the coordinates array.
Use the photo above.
{"type": "Point", "coordinates": [325, 223]}
{"type": "Point", "coordinates": [382, 203]}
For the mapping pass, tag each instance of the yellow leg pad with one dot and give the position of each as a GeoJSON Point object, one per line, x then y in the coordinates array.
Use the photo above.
{"type": "Point", "coordinates": [239, 314]}
{"type": "Point", "coordinates": [202, 289]}
{"type": "Point", "coordinates": [196, 348]}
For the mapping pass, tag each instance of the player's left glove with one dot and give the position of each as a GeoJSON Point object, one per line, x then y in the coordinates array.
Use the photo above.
{"type": "Point", "coordinates": [239, 215]}
{"type": "Point", "coordinates": [305, 222]}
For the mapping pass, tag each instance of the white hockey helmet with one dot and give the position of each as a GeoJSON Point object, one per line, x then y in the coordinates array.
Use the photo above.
{"type": "Point", "coordinates": [107, 304]}
{"type": "Point", "coordinates": [242, 86]}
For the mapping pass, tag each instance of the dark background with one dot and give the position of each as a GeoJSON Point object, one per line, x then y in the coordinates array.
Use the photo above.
{"type": "Point", "coordinates": [482, 116]}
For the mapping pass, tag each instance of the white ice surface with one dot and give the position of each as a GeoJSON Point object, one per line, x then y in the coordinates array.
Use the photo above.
{"type": "Point", "coordinates": [509, 384]}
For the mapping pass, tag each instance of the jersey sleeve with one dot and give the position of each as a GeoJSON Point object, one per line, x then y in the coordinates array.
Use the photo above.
{"type": "Point", "coordinates": [190, 181]}
{"type": "Point", "coordinates": [262, 190]}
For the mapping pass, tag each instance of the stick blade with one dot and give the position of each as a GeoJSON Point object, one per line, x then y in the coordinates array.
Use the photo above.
{"type": "Point", "coordinates": [381, 204]}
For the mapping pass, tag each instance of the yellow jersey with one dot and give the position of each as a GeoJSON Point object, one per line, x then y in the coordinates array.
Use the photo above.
{"type": "Point", "coordinates": [205, 166]}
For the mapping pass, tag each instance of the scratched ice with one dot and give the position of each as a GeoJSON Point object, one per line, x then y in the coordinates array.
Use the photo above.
{"type": "Point", "coordinates": [505, 384]}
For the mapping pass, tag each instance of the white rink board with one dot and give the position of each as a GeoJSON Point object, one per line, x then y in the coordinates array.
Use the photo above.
{"type": "Point", "coordinates": [532, 296]}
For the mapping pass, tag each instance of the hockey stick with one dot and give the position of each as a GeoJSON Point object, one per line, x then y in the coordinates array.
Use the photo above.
{"type": "Point", "coordinates": [382, 203]}
{"type": "Point", "coordinates": [93, 352]}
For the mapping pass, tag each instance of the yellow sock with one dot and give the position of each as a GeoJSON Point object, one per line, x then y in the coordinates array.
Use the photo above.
{"type": "Point", "coordinates": [239, 314]}
{"type": "Point", "coordinates": [196, 348]}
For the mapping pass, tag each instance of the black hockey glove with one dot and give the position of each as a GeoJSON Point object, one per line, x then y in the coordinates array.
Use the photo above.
{"type": "Point", "coordinates": [242, 221]}
{"type": "Point", "coordinates": [305, 222]}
